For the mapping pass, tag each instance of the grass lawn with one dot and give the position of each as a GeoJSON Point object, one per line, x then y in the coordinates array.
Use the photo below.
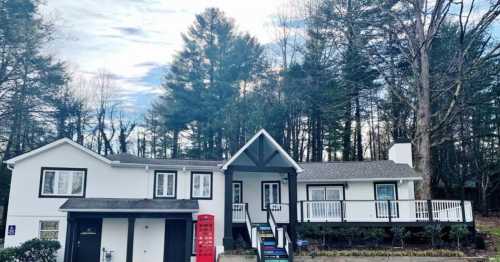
{"type": "Point", "coordinates": [491, 226]}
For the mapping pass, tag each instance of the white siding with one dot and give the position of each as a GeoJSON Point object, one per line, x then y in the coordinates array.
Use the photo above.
{"type": "Point", "coordinates": [26, 209]}
{"type": "Point", "coordinates": [363, 190]}
{"type": "Point", "coordinates": [252, 192]}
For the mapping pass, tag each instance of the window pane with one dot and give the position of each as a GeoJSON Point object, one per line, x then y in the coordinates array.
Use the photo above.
{"type": "Point", "coordinates": [267, 195]}
{"type": "Point", "coordinates": [77, 187]}
{"type": "Point", "coordinates": [317, 194]}
{"type": "Point", "coordinates": [236, 193]}
{"type": "Point", "coordinates": [48, 235]}
{"type": "Point", "coordinates": [63, 184]}
{"type": "Point", "coordinates": [206, 186]}
{"type": "Point", "coordinates": [196, 185]}
{"type": "Point", "coordinates": [49, 230]}
{"type": "Point", "coordinates": [333, 194]}
{"type": "Point", "coordinates": [49, 225]}
{"type": "Point", "coordinates": [386, 192]}
{"type": "Point", "coordinates": [48, 182]}
{"type": "Point", "coordinates": [159, 184]}
{"type": "Point", "coordinates": [170, 184]}
{"type": "Point", "coordinates": [275, 194]}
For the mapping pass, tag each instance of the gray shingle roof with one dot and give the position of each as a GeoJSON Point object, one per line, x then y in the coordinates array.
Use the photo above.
{"type": "Point", "coordinates": [129, 204]}
{"type": "Point", "coordinates": [384, 169]}
{"type": "Point", "coordinates": [131, 159]}
{"type": "Point", "coordinates": [313, 171]}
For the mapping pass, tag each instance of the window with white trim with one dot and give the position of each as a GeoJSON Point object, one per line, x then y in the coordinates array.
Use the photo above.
{"type": "Point", "coordinates": [201, 185]}
{"type": "Point", "coordinates": [165, 184]}
{"type": "Point", "coordinates": [63, 182]}
{"type": "Point", "coordinates": [49, 230]}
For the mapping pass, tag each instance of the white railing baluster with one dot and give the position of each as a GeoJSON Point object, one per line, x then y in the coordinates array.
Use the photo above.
{"type": "Point", "coordinates": [378, 211]}
{"type": "Point", "coordinates": [239, 212]}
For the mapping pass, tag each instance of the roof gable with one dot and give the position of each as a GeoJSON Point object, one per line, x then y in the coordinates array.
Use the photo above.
{"type": "Point", "coordinates": [55, 144]}
{"type": "Point", "coordinates": [275, 154]}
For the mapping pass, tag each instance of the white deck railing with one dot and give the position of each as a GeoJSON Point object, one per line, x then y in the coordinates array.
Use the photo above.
{"type": "Point", "coordinates": [378, 211]}
{"type": "Point", "coordinates": [239, 213]}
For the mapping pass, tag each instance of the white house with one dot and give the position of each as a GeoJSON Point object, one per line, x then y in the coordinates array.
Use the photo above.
{"type": "Point", "coordinates": [123, 208]}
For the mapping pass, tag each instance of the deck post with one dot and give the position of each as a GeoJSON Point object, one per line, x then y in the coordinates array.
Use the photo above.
{"type": "Point", "coordinates": [342, 211]}
{"type": "Point", "coordinates": [389, 211]}
{"type": "Point", "coordinates": [130, 239]}
{"type": "Point", "coordinates": [462, 206]}
{"type": "Point", "coordinates": [292, 209]}
{"type": "Point", "coordinates": [302, 211]}
{"type": "Point", "coordinates": [227, 241]}
{"type": "Point", "coordinates": [429, 210]}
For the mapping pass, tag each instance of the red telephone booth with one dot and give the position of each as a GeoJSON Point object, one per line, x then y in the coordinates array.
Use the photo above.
{"type": "Point", "coordinates": [205, 238]}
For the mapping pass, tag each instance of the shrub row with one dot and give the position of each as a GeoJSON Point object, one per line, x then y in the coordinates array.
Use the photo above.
{"type": "Point", "coordinates": [34, 250]}
{"type": "Point", "coordinates": [386, 252]}
{"type": "Point", "coordinates": [372, 236]}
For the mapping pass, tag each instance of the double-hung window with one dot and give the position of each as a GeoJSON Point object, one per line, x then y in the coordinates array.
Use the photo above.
{"type": "Point", "coordinates": [165, 184]}
{"type": "Point", "coordinates": [62, 182]}
{"type": "Point", "coordinates": [49, 230]}
{"type": "Point", "coordinates": [201, 185]}
{"type": "Point", "coordinates": [270, 194]}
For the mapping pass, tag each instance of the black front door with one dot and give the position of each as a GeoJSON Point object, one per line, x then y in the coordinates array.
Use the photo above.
{"type": "Point", "coordinates": [175, 240]}
{"type": "Point", "coordinates": [88, 245]}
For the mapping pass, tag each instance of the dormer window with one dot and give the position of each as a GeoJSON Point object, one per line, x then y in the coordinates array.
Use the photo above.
{"type": "Point", "coordinates": [62, 182]}
{"type": "Point", "coordinates": [165, 184]}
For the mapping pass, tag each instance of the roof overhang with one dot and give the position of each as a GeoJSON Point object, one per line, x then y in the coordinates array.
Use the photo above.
{"type": "Point", "coordinates": [360, 179]}
{"type": "Point", "coordinates": [273, 142]}
{"type": "Point", "coordinates": [127, 205]}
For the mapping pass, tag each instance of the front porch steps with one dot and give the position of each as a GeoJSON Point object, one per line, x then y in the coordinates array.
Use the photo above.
{"type": "Point", "coordinates": [270, 251]}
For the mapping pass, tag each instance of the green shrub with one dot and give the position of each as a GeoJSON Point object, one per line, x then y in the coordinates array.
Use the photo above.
{"type": "Point", "coordinates": [433, 233]}
{"type": "Point", "coordinates": [374, 235]}
{"type": "Point", "coordinates": [400, 235]}
{"type": "Point", "coordinates": [8, 255]}
{"type": "Point", "coordinates": [349, 234]}
{"type": "Point", "coordinates": [34, 250]}
{"type": "Point", "coordinates": [458, 232]}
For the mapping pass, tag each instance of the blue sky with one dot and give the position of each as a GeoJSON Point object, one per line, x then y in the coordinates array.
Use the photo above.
{"type": "Point", "coordinates": [134, 40]}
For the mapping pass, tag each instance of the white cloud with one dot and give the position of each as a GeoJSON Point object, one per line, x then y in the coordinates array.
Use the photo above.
{"type": "Point", "coordinates": [129, 38]}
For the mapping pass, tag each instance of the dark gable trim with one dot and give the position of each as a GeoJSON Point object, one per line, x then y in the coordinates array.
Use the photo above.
{"type": "Point", "coordinates": [40, 195]}
{"type": "Point", "coordinates": [175, 184]}
{"type": "Point", "coordinates": [325, 185]}
{"type": "Point", "coordinates": [263, 208]}
{"type": "Point", "coordinates": [241, 188]}
{"type": "Point", "coordinates": [211, 185]}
